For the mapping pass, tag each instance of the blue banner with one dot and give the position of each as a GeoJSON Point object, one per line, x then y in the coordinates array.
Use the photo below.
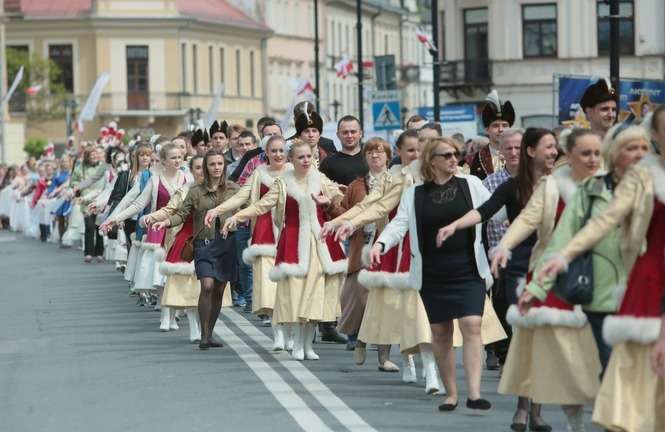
{"type": "Point", "coordinates": [451, 113]}
{"type": "Point", "coordinates": [636, 97]}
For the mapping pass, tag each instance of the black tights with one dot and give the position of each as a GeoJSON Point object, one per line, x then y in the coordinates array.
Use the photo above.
{"type": "Point", "coordinates": [210, 303]}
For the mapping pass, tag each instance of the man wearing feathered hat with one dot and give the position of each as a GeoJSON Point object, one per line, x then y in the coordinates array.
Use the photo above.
{"type": "Point", "coordinates": [496, 117]}
{"type": "Point", "coordinates": [201, 141]}
{"type": "Point", "coordinates": [217, 134]}
{"type": "Point", "coordinates": [308, 108]}
{"type": "Point", "coordinates": [308, 129]}
{"type": "Point", "coordinates": [599, 103]}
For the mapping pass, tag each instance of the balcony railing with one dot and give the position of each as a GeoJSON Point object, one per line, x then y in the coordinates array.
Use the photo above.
{"type": "Point", "coordinates": [121, 103]}
{"type": "Point", "coordinates": [466, 73]}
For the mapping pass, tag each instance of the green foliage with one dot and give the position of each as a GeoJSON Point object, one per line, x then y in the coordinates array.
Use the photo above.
{"type": "Point", "coordinates": [49, 102]}
{"type": "Point", "coordinates": [35, 146]}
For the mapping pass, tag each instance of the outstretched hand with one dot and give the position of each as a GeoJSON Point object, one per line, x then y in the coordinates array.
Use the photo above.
{"type": "Point", "coordinates": [210, 217]}
{"type": "Point", "coordinates": [344, 231]}
{"type": "Point", "coordinates": [321, 200]}
{"type": "Point", "coordinates": [525, 302]}
{"type": "Point", "coordinates": [161, 225]}
{"type": "Point", "coordinates": [550, 269]}
{"type": "Point", "coordinates": [444, 233]}
{"type": "Point", "coordinates": [328, 228]}
{"type": "Point", "coordinates": [375, 255]}
{"type": "Point", "coordinates": [499, 260]}
{"type": "Point", "coordinates": [229, 225]}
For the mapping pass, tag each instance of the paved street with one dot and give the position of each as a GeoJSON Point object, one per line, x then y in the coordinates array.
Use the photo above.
{"type": "Point", "coordinates": [78, 354]}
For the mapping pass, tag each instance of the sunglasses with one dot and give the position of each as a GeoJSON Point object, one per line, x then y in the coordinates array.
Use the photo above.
{"type": "Point", "coordinates": [447, 155]}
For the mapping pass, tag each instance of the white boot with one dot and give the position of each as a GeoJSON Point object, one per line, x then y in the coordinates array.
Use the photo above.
{"type": "Point", "coordinates": [298, 352]}
{"type": "Point", "coordinates": [278, 337]}
{"type": "Point", "coordinates": [164, 319]}
{"type": "Point", "coordinates": [288, 333]}
{"type": "Point", "coordinates": [173, 324]}
{"type": "Point", "coordinates": [310, 331]}
{"type": "Point", "coordinates": [194, 327]}
{"type": "Point", "coordinates": [433, 380]}
{"type": "Point", "coordinates": [408, 369]}
{"type": "Point", "coordinates": [574, 417]}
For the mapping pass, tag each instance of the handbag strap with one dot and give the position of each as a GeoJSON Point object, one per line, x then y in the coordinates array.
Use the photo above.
{"type": "Point", "coordinates": [589, 209]}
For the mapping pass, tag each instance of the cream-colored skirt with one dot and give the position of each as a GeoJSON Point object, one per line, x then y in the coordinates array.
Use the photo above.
{"type": "Point", "coordinates": [181, 291]}
{"type": "Point", "coordinates": [631, 397]}
{"type": "Point", "coordinates": [264, 290]}
{"type": "Point", "coordinates": [382, 321]}
{"type": "Point", "coordinates": [491, 329]}
{"type": "Point", "coordinates": [314, 297]}
{"type": "Point", "coordinates": [415, 324]}
{"type": "Point", "coordinates": [552, 365]}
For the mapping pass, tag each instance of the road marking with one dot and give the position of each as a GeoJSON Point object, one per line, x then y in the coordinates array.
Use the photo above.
{"type": "Point", "coordinates": [307, 419]}
{"type": "Point", "coordinates": [345, 415]}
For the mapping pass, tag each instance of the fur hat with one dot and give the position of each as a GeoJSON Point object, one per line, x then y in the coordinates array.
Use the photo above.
{"type": "Point", "coordinates": [307, 120]}
{"type": "Point", "coordinates": [218, 127]}
{"type": "Point", "coordinates": [599, 92]}
{"type": "Point", "coordinates": [495, 110]}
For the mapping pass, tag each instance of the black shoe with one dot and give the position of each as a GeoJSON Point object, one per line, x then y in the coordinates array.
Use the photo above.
{"type": "Point", "coordinates": [492, 361]}
{"type": "Point", "coordinates": [215, 344]}
{"type": "Point", "coordinates": [204, 346]}
{"type": "Point", "coordinates": [518, 427]}
{"type": "Point", "coordinates": [248, 307]}
{"type": "Point", "coordinates": [329, 334]}
{"type": "Point", "coordinates": [447, 407]}
{"type": "Point", "coordinates": [351, 345]}
{"type": "Point", "coordinates": [539, 428]}
{"type": "Point", "coordinates": [478, 404]}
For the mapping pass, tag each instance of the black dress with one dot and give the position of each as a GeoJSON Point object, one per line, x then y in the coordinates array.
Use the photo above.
{"type": "Point", "coordinates": [452, 287]}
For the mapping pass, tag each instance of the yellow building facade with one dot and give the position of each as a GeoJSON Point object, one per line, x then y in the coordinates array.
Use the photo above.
{"type": "Point", "coordinates": [166, 59]}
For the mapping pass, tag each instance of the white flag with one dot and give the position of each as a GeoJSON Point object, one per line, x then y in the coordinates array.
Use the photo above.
{"type": "Point", "coordinates": [17, 80]}
{"type": "Point", "coordinates": [214, 107]}
{"type": "Point", "coordinates": [88, 111]}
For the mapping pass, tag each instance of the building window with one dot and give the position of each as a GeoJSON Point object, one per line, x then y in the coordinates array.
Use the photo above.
{"type": "Point", "coordinates": [138, 86]}
{"type": "Point", "coordinates": [62, 56]}
{"type": "Point", "coordinates": [476, 53]}
{"type": "Point", "coordinates": [211, 71]}
{"type": "Point", "coordinates": [238, 86]}
{"type": "Point", "coordinates": [183, 56]}
{"type": "Point", "coordinates": [539, 30]}
{"type": "Point", "coordinates": [626, 28]}
{"type": "Point", "coordinates": [195, 74]}
{"type": "Point", "coordinates": [222, 73]}
{"type": "Point", "coordinates": [251, 74]}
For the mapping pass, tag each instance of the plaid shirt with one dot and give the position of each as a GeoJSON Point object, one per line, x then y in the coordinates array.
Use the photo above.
{"type": "Point", "coordinates": [495, 230]}
{"type": "Point", "coordinates": [253, 163]}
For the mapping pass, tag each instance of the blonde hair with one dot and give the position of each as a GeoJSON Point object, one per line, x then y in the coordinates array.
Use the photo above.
{"type": "Point", "coordinates": [164, 149]}
{"type": "Point", "coordinates": [617, 138]}
{"type": "Point", "coordinates": [429, 145]}
{"type": "Point", "coordinates": [294, 144]}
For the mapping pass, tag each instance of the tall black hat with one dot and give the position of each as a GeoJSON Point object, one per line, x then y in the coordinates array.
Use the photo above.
{"type": "Point", "coordinates": [307, 120]}
{"type": "Point", "coordinates": [218, 127]}
{"type": "Point", "coordinates": [200, 135]}
{"type": "Point", "coordinates": [494, 110]}
{"type": "Point", "coordinates": [599, 92]}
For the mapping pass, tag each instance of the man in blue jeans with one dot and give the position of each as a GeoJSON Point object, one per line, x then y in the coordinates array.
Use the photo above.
{"type": "Point", "coordinates": [242, 236]}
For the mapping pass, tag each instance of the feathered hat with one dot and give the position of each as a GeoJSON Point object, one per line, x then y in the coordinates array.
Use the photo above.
{"type": "Point", "coordinates": [598, 92]}
{"type": "Point", "coordinates": [218, 127]}
{"type": "Point", "coordinates": [307, 120]}
{"type": "Point", "coordinates": [200, 135]}
{"type": "Point", "coordinates": [495, 110]}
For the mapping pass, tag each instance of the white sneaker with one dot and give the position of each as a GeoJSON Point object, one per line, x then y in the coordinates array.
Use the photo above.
{"type": "Point", "coordinates": [310, 331]}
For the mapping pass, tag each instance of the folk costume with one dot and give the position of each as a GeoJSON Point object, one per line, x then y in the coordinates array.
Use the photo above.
{"type": "Point", "coordinates": [306, 120]}
{"type": "Point", "coordinates": [488, 160]}
{"type": "Point", "coordinates": [553, 358]}
{"type": "Point", "coordinates": [631, 396]}
{"type": "Point", "coordinates": [309, 273]}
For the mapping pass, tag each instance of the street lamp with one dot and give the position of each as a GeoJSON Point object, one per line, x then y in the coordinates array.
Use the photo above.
{"type": "Point", "coordinates": [335, 105]}
{"type": "Point", "coordinates": [70, 106]}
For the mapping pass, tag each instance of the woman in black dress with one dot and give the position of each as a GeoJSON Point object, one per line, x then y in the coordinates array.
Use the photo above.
{"type": "Point", "coordinates": [453, 279]}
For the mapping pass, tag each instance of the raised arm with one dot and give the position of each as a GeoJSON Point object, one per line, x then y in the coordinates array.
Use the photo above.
{"type": "Point", "coordinates": [395, 231]}
{"type": "Point", "coordinates": [182, 211]}
{"type": "Point", "coordinates": [137, 205]}
{"type": "Point", "coordinates": [528, 220]}
{"type": "Point", "coordinates": [168, 210]}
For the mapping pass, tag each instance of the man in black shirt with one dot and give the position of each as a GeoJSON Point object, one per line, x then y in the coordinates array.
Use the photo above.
{"type": "Point", "coordinates": [348, 164]}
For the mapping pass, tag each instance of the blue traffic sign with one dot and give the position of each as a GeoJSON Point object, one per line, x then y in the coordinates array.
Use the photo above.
{"type": "Point", "coordinates": [386, 115]}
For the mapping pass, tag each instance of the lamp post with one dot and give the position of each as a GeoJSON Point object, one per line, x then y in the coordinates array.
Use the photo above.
{"type": "Point", "coordinates": [317, 93]}
{"type": "Point", "coordinates": [359, 34]}
{"type": "Point", "coordinates": [614, 45]}
{"type": "Point", "coordinates": [335, 104]}
{"type": "Point", "coordinates": [436, 65]}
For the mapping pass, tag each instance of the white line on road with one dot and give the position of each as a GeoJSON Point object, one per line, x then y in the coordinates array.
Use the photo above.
{"type": "Point", "coordinates": [345, 415]}
{"type": "Point", "coordinates": [307, 419]}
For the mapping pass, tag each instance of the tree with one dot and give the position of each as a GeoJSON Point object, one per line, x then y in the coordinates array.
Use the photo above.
{"type": "Point", "coordinates": [35, 146]}
{"type": "Point", "coordinates": [46, 104]}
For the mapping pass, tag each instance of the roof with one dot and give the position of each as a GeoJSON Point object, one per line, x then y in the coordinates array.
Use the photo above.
{"type": "Point", "coordinates": [205, 10]}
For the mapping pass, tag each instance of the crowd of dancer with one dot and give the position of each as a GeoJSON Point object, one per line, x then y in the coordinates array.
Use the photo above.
{"type": "Point", "coordinates": [537, 252]}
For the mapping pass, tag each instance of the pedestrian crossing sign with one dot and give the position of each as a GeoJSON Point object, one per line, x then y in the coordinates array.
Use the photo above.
{"type": "Point", "coordinates": [386, 114]}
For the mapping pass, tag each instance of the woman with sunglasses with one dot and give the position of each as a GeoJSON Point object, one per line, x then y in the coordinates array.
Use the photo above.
{"type": "Point", "coordinates": [452, 280]}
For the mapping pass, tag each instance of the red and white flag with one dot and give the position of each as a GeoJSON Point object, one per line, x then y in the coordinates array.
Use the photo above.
{"type": "Point", "coordinates": [305, 86]}
{"type": "Point", "coordinates": [426, 39]}
{"type": "Point", "coordinates": [344, 67]}
{"type": "Point", "coordinates": [33, 90]}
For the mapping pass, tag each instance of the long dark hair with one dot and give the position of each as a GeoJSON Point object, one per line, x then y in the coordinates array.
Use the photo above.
{"type": "Point", "coordinates": [526, 177]}
{"type": "Point", "coordinates": [206, 175]}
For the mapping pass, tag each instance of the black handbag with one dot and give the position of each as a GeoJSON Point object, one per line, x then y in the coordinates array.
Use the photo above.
{"type": "Point", "coordinates": [575, 286]}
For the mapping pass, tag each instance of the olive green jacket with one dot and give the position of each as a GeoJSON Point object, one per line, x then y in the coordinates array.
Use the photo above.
{"type": "Point", "coordinates": [198, 201]}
